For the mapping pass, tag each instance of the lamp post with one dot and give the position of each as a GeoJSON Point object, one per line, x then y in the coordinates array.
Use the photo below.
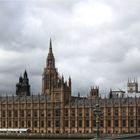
{"type": "Point", "coordinates": [98, 113]}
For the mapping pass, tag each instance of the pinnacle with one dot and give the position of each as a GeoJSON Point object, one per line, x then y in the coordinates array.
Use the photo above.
{"type": "Point", "coordinates": [25, 73]}
{"type": "Point", "coordinates": [50, 49]}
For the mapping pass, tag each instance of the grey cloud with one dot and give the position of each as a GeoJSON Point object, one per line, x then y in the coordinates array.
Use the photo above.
{"type": "Point", "coordinates": [96, 42]}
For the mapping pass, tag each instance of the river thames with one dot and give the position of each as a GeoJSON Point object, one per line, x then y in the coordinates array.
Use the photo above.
{"type": "Point", "coordinates": [44, 139]}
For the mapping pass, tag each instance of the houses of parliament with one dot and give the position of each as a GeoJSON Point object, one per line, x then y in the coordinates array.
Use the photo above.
{"type": "Point", "coordinates": [55, 110]}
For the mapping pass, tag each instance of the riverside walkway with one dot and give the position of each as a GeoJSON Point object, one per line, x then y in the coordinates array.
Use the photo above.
{"type": "Point", "coordinates": [68, 136]}
{"type": "Point", "coordinates": [135, 136]}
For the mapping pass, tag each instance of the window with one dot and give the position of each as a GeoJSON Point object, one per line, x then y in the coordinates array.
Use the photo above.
{"type": "Point", "coordinates": [28, 113]}
{"type": "Point", "coordinates": [57, 123]}
{"type": "Point", "coordinates": [9, 124]}
{"type": "Point", "coordinates": [131, 123]}
{"type": "Point", "coordinates": [73, 113]}
{"type": "Point", "coordinates": [22, 105]}
{"type": "Point", "coordinates": [28, 105]}
{"type": "Point", "coordinates": [15, 113]}
{"type": "Point", "coordinates": [66, 123]}
{"type": "Point", "coordinates": [9, 106]}
{"type": "Point", "coordinates": [101, 123]}
{"type": "Point", "coordinates": [87, 114]}
{"type": "Point", "coordinates": [3, 113]}
{"type": "Point", "coordinates": [109, 123]}
{"type": "Point", "coordinates": [22, 113]}
{"type": "Point", "coordinates": [109, 112]}
{"type": "Point", "coordinates": [29, 123]}
{"type": "Point", "coordinates": [49, 123]}
{"type": "Point", "coordinates": [57, 112]}
{"type": "Point", "coordinates": [35, 124]}
{"type": "Point", "coordinates": [116, 112]}
{"type": "Point", "coordinates": [3, 106]}
{"type": "Point", "coordinates": [42, 123]}
{"type": "Point", "coordinates": [124, 112]}
{"type": "Point", "coordinates": [41, 105]}
{"type": "Point", "coordinates": [3, 123]}
{"type": "Point", "coordinates": [94, 123]}
{"type": "Point", "coordinates": [80, 113]}
{"type": "Point", "coordinates": [80, 123]}
{"type": "Point", "coordinates": [124, 123]}
{"type": "Point", "coordinates": [73, 123]}
{"type": "Point", "coordinates": [42, 113]}
{"type": "Point", "coordinates": [35, 113]}
{"type": "Point", "coordinates": [138, 110]}
{"type": "Point", "coordinates": [131, 111]}
{"type": "Point", "coordinates": [35, 105]}
{"type": "Point", "coordinates": [116, 123]}
{"type": "Point", "coordinates": [16, 123]}
{"type": "Point", "coordinates": [22, 123]}
{"type": "Point", "coordinates": [49, 113]}
{"type": "Point", "coordinates": [87, 123]}
{"type": "Point", "coordinates": [138, 123]}
{"type": "Point", "coordinates": [9, 114]}
{"type": "Point", "coordinates": [66, 112]}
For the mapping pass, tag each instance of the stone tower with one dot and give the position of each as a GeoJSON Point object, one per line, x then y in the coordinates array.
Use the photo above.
{"type": "Point", "coordinates": [50, 75]}
{"type": "Point", "coordinates": [23, 87]}
{"type": "Point", "coordinates": [94, 93]}
{"type": "Point", "coordinates": [132, 86]}
{"type": "Point", "coordinates": [52, 83]}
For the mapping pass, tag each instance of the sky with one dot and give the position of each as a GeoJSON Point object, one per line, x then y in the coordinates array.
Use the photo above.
{"type": "Point", "coordinates": [96, 42]}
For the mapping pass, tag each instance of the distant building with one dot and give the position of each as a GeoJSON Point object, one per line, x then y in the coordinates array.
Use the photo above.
{"type": "Point", "coordinates": [57, 111]}
{"type": "Point", "coordinates": [132, 91]}
{"type": "Point", "coordinates": [23, 87]}
{"type": "Point", "coordinates": [132, 86]}
{"type": "Point", "coordinates": [94, 93]}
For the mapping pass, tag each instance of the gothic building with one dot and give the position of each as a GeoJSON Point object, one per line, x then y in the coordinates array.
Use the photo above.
{"type": "Point", "coordinates": [132, 86]}
{"type": "Point", "coordinates": [23, 87]}
{"type": "Point", "coordinates": [94, 93]}
{"type": "Point", "coordinates": [55, 110]}
{"type": "Point", "coordinates": [53, 84]}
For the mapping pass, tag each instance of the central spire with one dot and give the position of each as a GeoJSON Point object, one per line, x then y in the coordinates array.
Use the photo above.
{"type": "Point", "coordinates": [50, 58]}
{"type": "Point", "coordinates": [52, 84]}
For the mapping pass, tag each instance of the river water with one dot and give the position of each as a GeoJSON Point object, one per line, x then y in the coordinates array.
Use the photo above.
{"type": "Point", "coordinates": [44, 139]}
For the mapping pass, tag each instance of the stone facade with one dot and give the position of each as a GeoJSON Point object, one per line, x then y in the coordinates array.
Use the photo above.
{"type": "Point", "coordinates": [57, 111]}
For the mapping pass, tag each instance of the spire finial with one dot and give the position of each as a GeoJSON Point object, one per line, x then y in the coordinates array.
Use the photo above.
{"type": "Point", "coordinates": [20, 78]}
{"type": "Point", "coordinates": [62, 77]}
{"type": "Point", "coordinates": [25, 73]}
{"type": "Point", "coordinates": [78, 94]}
{"type": "Point", "coordinates": [50, 49]}
{"type": "Point", "coordinates": [50, 58]}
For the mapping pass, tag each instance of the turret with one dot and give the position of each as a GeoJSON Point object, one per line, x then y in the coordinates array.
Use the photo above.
{"type": "Point", "coordinates": [132, 86]}
{"type": "Point", "coordinates": [23, 87]}
{"type": "Point", "coordinates": [69, 81]}
{"type": "Point", "coordinates": [25, 74]}
{"type": "Point", "coordinates": [78, 94]}
{"type": "Point", "coordinates": [62, 79]}
{"type": "Point", "coordinates": [94, 93]}
{"type": "Point", "coordinates": [20, 79]}
{"type": "Point", "coordinates": [110, 94]}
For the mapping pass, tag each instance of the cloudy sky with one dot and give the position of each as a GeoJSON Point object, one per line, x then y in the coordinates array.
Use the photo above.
{"type": "Point", "coordinates": [97, 42]}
